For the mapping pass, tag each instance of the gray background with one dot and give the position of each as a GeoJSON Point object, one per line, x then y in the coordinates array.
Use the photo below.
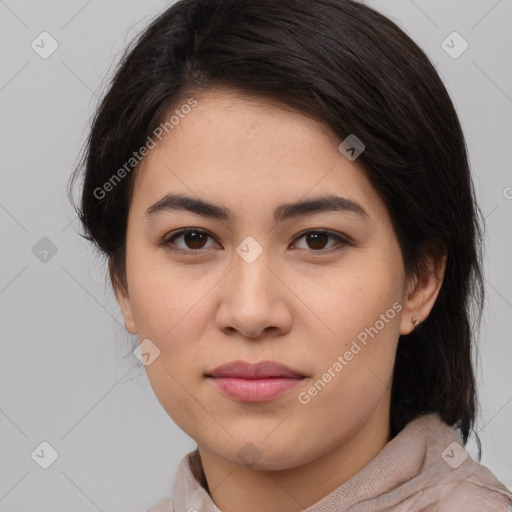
{"type": "Point", "coordinates": [64, 379]}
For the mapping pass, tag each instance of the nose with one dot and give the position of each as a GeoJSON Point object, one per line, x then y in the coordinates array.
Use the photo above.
{"type": "Point", "coordinates": [254, 300]}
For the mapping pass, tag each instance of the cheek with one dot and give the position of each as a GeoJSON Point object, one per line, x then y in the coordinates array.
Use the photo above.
{"type": "Point", "coordinates": [170, 311]}
{"type": "Point", "coordinates": [171, 320]}
{"type": "Point", "coordinates": [353, 365]}
{"type": "Point", "coordinates": [174, 387]}
{"type": "Point", "coordinates": [361, 307]}
{"type": "Point", "coordinates": [164, 296]}
{"type": "Point", "coordinates": [345, 301]}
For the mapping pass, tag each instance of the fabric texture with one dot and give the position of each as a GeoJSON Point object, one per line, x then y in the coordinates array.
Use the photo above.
{"type": "Point", "coordinates": [424, 468]}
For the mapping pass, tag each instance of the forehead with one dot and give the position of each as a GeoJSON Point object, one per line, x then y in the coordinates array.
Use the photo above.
{"type": "Point", "coordinates": [246, 151]}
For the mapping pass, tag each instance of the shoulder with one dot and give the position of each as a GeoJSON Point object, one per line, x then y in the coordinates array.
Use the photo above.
{"type": "Point", "coordinates": [449, 480]}
{"type": "Point", "coordinates": [164, 505]}
{"type": "Point", "coordinates": [475, 490]}
{"type": "Point", "coordinates": [469, 498]}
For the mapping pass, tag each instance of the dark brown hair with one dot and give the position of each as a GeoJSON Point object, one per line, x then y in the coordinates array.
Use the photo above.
{"type": "Point", "coordinates": [348, 66]}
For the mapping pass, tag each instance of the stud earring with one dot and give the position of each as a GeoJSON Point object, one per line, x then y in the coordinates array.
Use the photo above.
{"type": "Point", "coordinates": [414, 321]}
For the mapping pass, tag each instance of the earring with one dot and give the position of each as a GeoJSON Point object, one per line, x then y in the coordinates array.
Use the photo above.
{"type": "Point", "coordinates": [414, 321]}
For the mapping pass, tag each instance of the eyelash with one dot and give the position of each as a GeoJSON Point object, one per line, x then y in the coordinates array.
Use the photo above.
{"type": "Point", "coordinates": [167, 242]}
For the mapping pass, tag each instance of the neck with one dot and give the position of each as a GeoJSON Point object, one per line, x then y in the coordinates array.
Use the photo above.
{"type": "Point", "coordinates": [234, 487]}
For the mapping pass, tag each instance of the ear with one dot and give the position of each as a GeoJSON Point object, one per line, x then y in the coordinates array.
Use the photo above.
{"type": "Point", "coordinates": [123, 299]}
{"type": "Point", "coordinates": [422, 291]}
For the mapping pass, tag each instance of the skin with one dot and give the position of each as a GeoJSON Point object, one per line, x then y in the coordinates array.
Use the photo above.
{"type": "Point", "coordinates": [301, 302]}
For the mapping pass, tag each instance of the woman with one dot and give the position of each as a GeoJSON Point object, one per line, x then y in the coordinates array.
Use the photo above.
{"type": "Point", "coordinates": [281, 188]}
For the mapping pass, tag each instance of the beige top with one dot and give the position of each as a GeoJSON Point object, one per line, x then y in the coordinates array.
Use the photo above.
{"type": "Point", "coordinates": [423, 469]}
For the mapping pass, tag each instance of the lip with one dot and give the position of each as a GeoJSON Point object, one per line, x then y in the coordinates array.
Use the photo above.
{"type": "Point", "coordinates": [254, 382]}
{"type": "Point", "coordinates": [261, 370]}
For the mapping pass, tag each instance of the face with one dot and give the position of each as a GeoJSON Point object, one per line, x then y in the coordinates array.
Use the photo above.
{"type": "Point", "coordinates": [320, 289]}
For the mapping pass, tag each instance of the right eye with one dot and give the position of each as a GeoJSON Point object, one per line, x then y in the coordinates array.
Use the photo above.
{"type": "Point", "coordinates": [193, 238]}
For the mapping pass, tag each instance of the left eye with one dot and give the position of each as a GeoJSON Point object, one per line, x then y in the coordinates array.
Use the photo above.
{"type": "Point", "coordinates": [318, 239]}
{"type": "Point", "coordinates": [194, 240]}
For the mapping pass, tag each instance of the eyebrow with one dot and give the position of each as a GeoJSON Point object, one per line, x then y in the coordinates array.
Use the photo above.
{"type": "Point", "coordinates": [326, 203]}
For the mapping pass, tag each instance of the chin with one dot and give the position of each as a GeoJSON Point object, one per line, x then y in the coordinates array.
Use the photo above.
{"type": "Point", "coordinates": [263, 455]}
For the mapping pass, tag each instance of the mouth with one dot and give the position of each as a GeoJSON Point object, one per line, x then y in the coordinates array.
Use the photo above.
{"type": "Point", "coordinates": [258, 382]}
